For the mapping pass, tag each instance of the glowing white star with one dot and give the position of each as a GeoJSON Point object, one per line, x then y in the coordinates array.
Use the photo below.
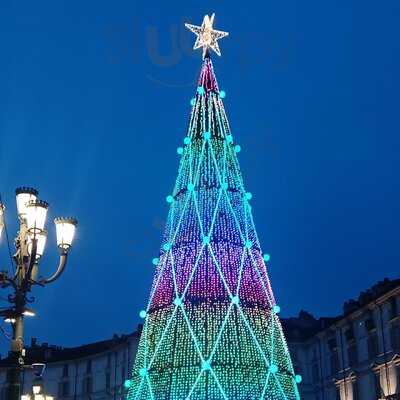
{"type": "Point", "coordinates": [207, 36]}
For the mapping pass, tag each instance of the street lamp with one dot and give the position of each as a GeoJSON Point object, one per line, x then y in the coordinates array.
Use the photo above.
{"type": "Point", "coordinates": [30, 243]}
{"type": "Point", "coordinates": [23, 196]}
{"type": "Point", "coordinates": [36, 213]}
{"type": "Point", "coordinates": [65, 229]}
{"type": "Point", "coordinates": [37, 392]}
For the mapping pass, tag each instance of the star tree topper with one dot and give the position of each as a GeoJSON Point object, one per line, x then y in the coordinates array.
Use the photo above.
{"type": "Point", "coordinates": [207, 36]}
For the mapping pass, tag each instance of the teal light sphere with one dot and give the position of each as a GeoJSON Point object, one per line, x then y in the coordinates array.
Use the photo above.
{"type": "Point", "coordinates": [127, 384]}
{"type": "Point", "coordinates": [200, 90]}
{"type": "Point", "coordinates": [222, 94]}
{"type": "Point", "coordinates": [190, 187]}
{"type": "Point", "coordinates": [235, 299]}
{"type": "Point", "coordinates": [248, 196]}
{"type": "Point", "coordinates": [143, 372]}
{"type": "Point", "coordinates": [224, 185]}
{"type": "Point", "coordinates": [178, 301]}
{"type": "Point", "coordinates": [266, 257]}
{"type": "Point", "coordinates": [207, 135]}
{"type": "Point", "coordinates": [193, 101]}
{"type": "Point", "coordinates": [206, 365]}
{"type": "Point", "coordinates": [237, 149]}
{"type": "Point", "coordinates": [248, 244]}
{"type": "Point", "coordinates": [229, 138]}
{"type": "Point", "coordinates": [276, 309]}
{"type": "Point", "coordinates": [186, 140]}
{"type": "Point", "coordinates": [142, 314]}
{"type": "Point", "coordinates": [206, 240]}
{"type": "Point", "coordinates": [167, 246]}
{"type": "Point", "coordinates": [298, 378]}
{"type": "Point", "coordinates": [169, 199]}
{"type": "Point", "coordinates": [179, 150]}
{"type": "Point", "coordinates": [155, 261]}
{"type": "Point", "coordinates": [273, 368]}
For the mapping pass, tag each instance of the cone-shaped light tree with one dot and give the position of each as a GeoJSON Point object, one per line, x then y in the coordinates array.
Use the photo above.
{"type": "Point", "coordinates": [211, 329]}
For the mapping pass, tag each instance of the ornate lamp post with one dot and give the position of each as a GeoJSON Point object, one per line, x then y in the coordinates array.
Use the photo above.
{"type": "Point", "coordinates": [30, 243]}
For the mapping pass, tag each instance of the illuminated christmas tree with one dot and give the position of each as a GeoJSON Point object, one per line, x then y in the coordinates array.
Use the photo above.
{"type": "Point", "coordinates": [211, 329]}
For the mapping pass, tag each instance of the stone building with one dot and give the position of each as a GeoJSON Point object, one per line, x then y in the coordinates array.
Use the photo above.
{"type": "Point", "coordinates": [94, 371]}
{"type": "Point", "coordinates": [354, 356]}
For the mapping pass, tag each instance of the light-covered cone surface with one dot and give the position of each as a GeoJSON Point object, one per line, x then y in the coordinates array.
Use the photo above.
{"type": "Point", "coordinates": [211, 329]}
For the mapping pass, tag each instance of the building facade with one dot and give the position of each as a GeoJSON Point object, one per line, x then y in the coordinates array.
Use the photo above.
{"type": "Point", "coordinates": [96, 371]}
{"type": "Point", "coordinates": [354, 356]}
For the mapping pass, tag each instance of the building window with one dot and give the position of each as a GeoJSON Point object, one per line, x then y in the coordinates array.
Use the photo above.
{"type": "Point", "coordinates": [395, 337]}
{"type": "Point", "coordinates": [333, 356]}
{"type": "Point", "coordinates": [89, 367]}
{"type": "Point", "coordinates": [369, 324]}
{"type": "Point", "coordinates": [108, 360]}
{"type": "Point", "coordinates": [373, 345]}
{"type": "Point", "coordinates": [334, 361]}
{"type": "Point", "coordinates": [108, 382]}
{"type": "Point", "coordinates": [331, 344]}
{"type": "Point", "coordinates": [394, 312]}
{"type": "Point", "coordinates": [63, 389]}
{"type": "Point", "coordinates": [352, 353]}
{"type": "Point", "coordinates": [349, 334]}
{"type": "Point", "coordinates": [87, 385]}
{"type": "Point", "coordinates": [65, 371]}
{"type": "Point", "coordinates": [351, 347]}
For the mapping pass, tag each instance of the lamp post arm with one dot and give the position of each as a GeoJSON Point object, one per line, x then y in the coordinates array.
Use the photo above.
{"type": "Point", "coordinates": [59, 271]}
{"type": "Point", "coordinates": [32, 258]}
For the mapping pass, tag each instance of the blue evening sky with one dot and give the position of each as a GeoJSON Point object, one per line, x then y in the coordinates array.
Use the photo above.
{"type": "Point", "coordinates": [94, 101]}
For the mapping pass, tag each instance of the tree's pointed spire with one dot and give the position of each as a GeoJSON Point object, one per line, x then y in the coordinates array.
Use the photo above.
{"type": "Point", "coordinates": [207, 78]}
